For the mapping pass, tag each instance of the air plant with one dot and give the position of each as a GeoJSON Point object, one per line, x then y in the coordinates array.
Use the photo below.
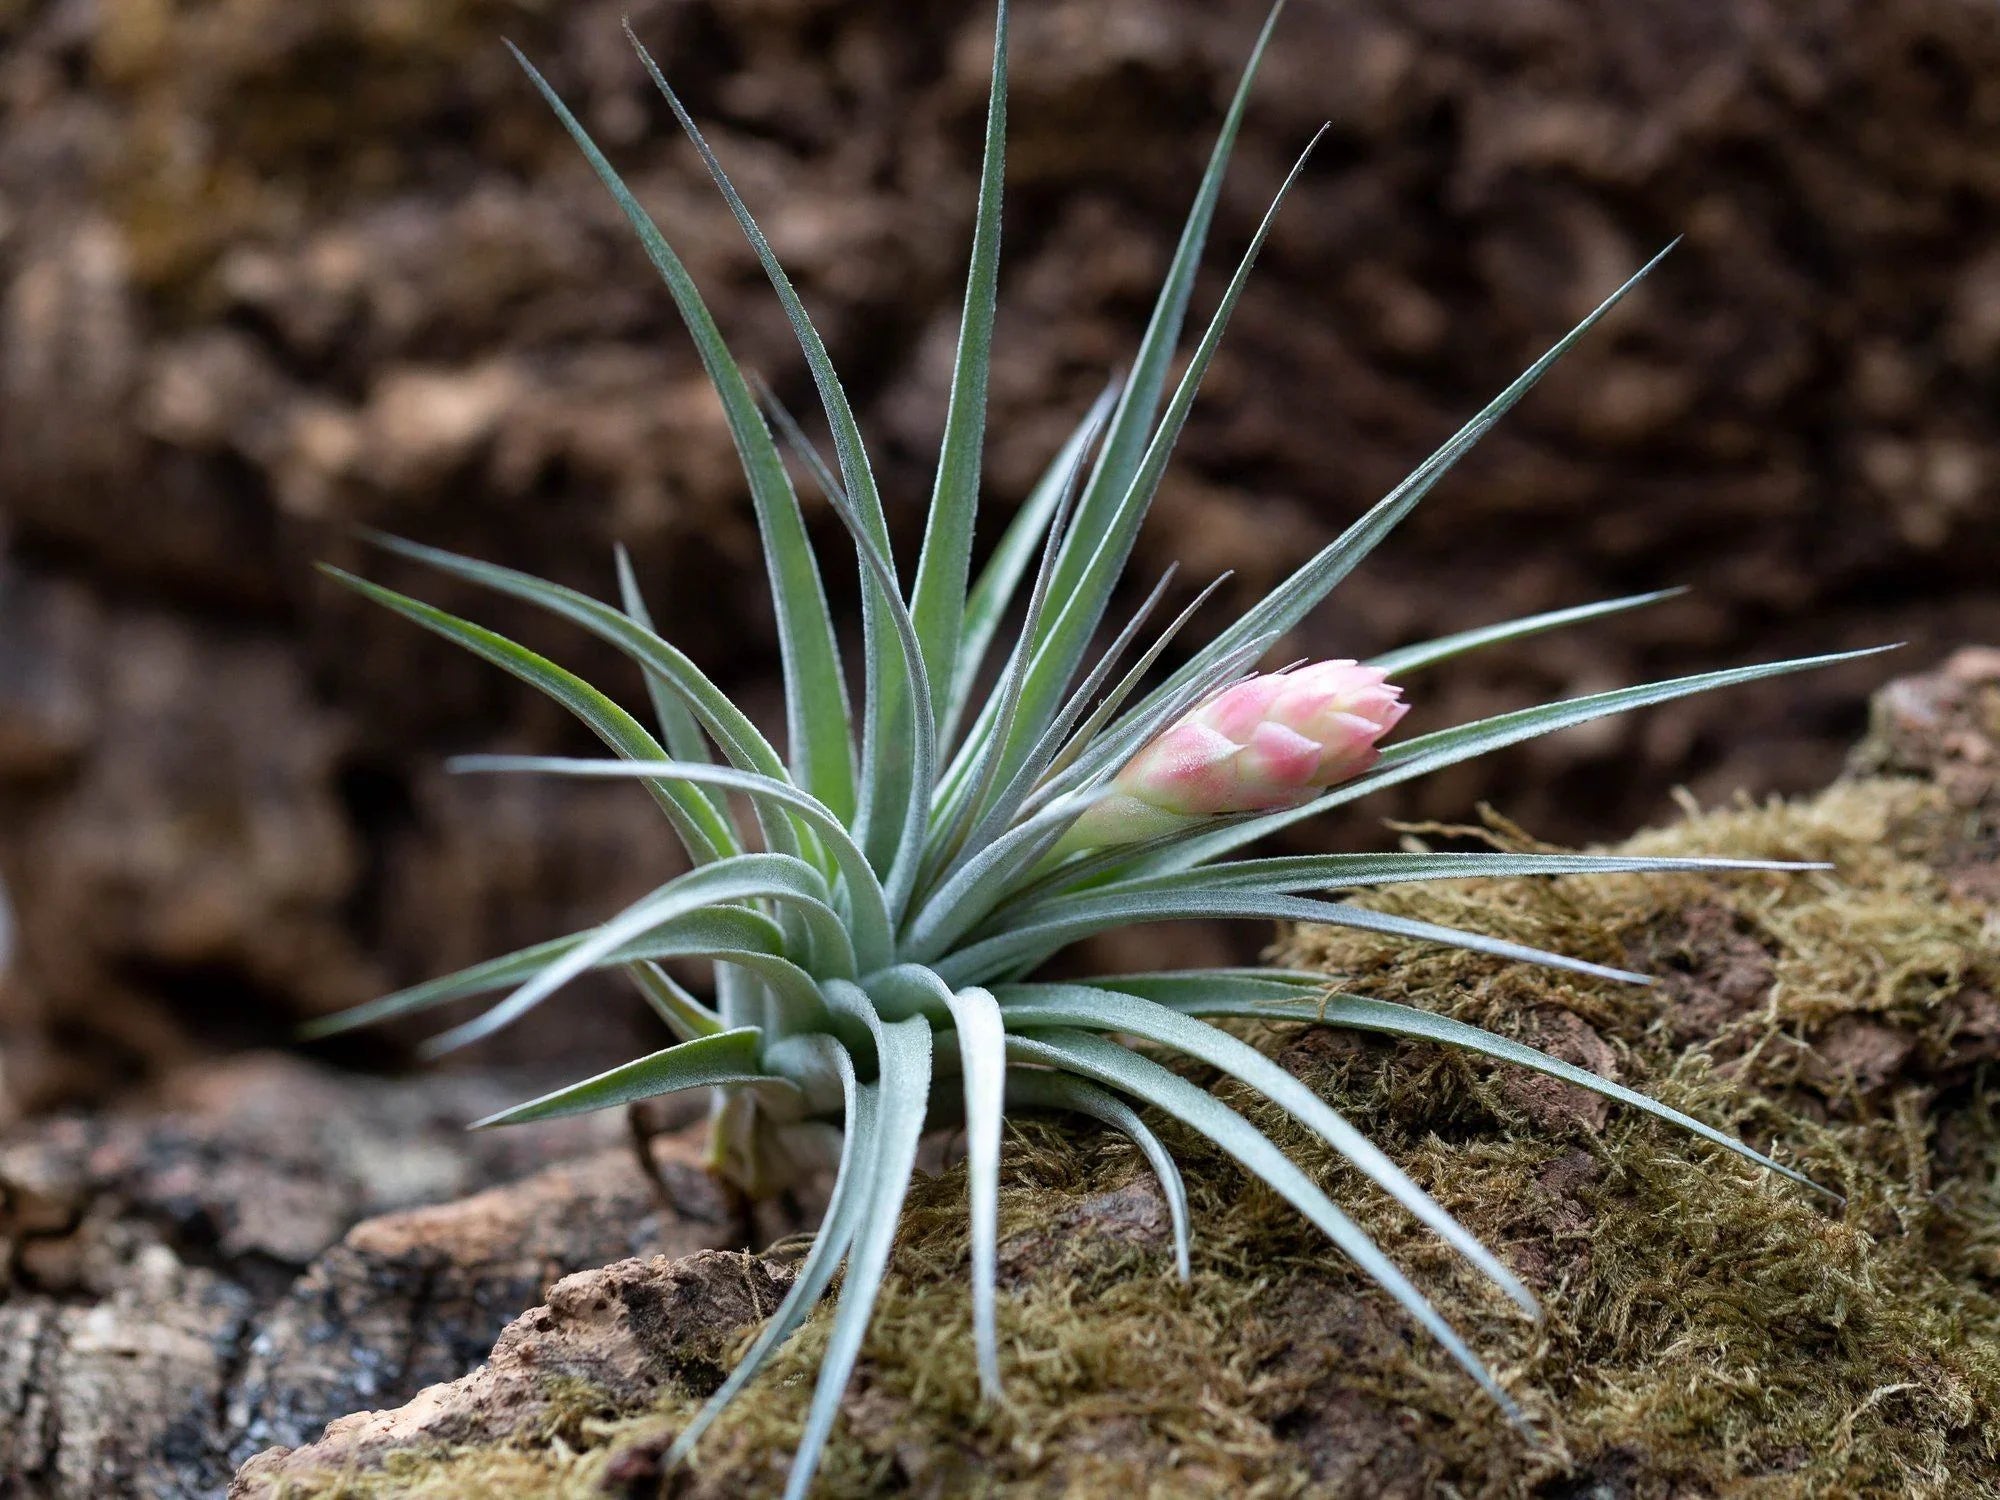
{"type": "Point", "coordinates": [874, 913]}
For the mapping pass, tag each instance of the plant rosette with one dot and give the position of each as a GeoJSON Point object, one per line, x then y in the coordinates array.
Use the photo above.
{"type": "Point", "coordinates": [875, 908]}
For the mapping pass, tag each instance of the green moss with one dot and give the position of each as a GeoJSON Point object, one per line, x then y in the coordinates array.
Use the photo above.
{"type": "Point", "coordinates": [1710, 1331]}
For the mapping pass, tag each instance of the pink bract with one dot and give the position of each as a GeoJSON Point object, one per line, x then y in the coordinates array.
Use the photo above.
{"type": "Point", "coordinates": [1267, 742]}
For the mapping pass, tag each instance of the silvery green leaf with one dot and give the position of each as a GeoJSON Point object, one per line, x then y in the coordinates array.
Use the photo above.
{"type": "Point", "coordinates": [1005, 807]}
{"type": "Point", "coordinates": [1126, 443]}
{"type": "Point", "coordinates": [726, 1057]}
{"type": "Point", "coordinates": [1001, 882]}
{"type": "Point", "coordinates": [982, 1050]}
{"type": "Point", "coordinates": [914, 682]}
{"type": "Point", "coordinates": [683, 736]}
{"type": "Point", "coordinates": [1036, 781]}
{"type": "Point", "coordinates": [1138, 402]}
{"type": "Point", "coordinates": [970, 893]}
{"type": "Point", "coordinates": [885, 785]}
{"type": "Point", "coordinates": [815, 687]}
{"type": "Point", "coordinates": [1187, 989]}
{"type": "Point", "coordinates": [937, 598]}
{"type": "Point", "coordinates": [1407, 659]}
{"type": "Point", "coordinates": [852, 1193]}
{"type": "Point", "coordinates": [868, 914]}
{"type": "Point", "coordinates": [1289, 603]}
{"type": "Point", "coordinates": [1063, 752]}
{"type": "Point", "coordinates": [716, 931]}
{"type": "Point", "coordinates": [742, 745]}
{"type": "Point", "coordinates": [703, 830]}
{"type": "Point", "coordinates": [917, 774]}
{"type": "Point", "coordinates": [966, 788]}
{"type": "Point", "coordinates": [987, 604]}
{"type": "Point", "coordinates": [747, 877]}
{"type": "Point", "coordinates": [903, 1051]}
{"type": "Point", "coordinates": [1106, 548]}
{"type": "Point", "coordinates": [1086, 761]}
{"type": "Point", "coordinates": [684, 1015]}
{"type": "Point", "coordinates": [1407, 1021]}
{"type": "Point", "coordinates": [1286, 874]}
{"type": "Point", "coordinates": [1061, 923]}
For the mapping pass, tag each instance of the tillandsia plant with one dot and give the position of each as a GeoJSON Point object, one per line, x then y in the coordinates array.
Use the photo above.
{"type": "Point", "coordinates": [874, 912]}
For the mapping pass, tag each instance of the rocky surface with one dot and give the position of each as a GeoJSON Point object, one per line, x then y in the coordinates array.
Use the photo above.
{"type": "Point", "coordinates": [626, 1332]}
{"type": "Point", "coordinates": [268, 270]}
{"type": "Point", "coordinates": [266, 1245]}
{"type": "Point", "coordinates": [1944, 726]}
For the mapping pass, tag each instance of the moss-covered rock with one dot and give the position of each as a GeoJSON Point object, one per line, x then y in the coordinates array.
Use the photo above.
{"type": "Point", "coordinates": [1710, 1330]}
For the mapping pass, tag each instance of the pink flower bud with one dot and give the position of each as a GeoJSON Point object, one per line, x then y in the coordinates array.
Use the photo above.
{"type": "Point", "coordinates": [1268, 742]}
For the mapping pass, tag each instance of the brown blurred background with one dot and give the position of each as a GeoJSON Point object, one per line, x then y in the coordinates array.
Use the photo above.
{"type": "Point", "coordinates": [271, 269]}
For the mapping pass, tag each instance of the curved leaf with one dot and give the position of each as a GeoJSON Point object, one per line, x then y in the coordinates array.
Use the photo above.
{"type": "Point", "coordinates": [722, 930]}
{"type": "Point", "coordinates": [1286, 874]}
{"type": "Point", "coordinates": [915, 777]}
{"type": "Point", "coordinates": [725, 1057]}
{"type": "Point", "coordinates": [903, 1053]}
{"type": "Point", "coordinates": [747, 877]}
{"type": "Point", "coordinates": [669, 999]}
{"type": "Point", "coordinates": [868, 914]}
{"type": "Point", "coordinates": [885, 790]}
{"type": "Point", "coordinates": [702, 828]}
{"type": "Point", "coordinates": [742, 745]}
{"type": "Point", "coordinates": [987, 604]}
{"type": "Point", "coordinates": [1391, 1019]}
{"type": "Point", "coordinates": [937, 598]}
{"type": "Point", "coordinates": [1063, 922]}
{"type": "Point", "coordinates": [859, 1150]}
{"type": "Point", "coordinates": [1407, 659]}
{"type": "Point", "coordinates": [982, 1048]}
{"type": "Point", "coordinates": [678, 728]}
{"type": "Point", "coordinates": [816, 715]}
